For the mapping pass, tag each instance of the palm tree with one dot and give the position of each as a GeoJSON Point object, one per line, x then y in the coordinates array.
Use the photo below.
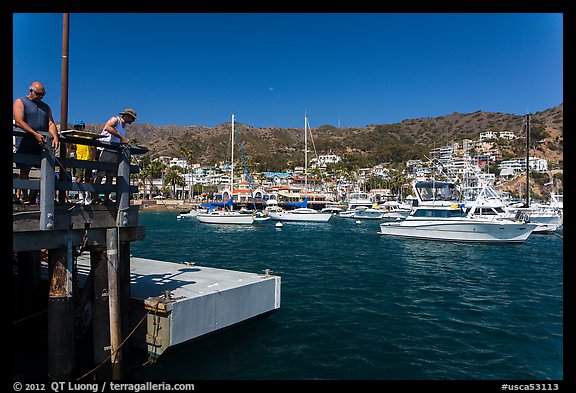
{"type": "Point", "coordinates": [149, 169]}
{"type": "Point", "coordinates": [187, 152]}
{"type": "Point", "coordinates": [173, 177]}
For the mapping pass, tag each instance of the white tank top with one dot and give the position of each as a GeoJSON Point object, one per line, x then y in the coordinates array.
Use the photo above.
{"type": "Point", "coordinates": [108, 137]}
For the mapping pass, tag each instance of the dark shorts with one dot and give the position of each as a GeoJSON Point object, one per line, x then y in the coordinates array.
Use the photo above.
{"type": "Point", "coordinates": [85, 173]}
{"type": "Point", "coordinates": [28, 145]}
{"type": "Point", "coordinates": [107, 156]}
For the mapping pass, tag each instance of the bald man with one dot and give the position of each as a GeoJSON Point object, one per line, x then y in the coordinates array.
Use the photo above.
{"type": "Point", "coordinates": [33, 115]}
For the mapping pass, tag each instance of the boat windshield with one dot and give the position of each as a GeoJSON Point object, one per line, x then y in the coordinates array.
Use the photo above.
{"type": "Point", "coordinates": [439, 213]}
{"type": "Point", "coordinates": [436, 191]}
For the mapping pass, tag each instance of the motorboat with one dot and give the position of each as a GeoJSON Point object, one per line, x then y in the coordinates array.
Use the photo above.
{"type": "Point", "coordinates": [367, 213]}
{"type": "Point", "coordinates": [225, 217]}
{"type": "Point", "coordinates": [331, 207]}
{"type": "Point", "coordinates": [358, 198]}
{"type": "Point", "coordinates": [439, 216]}
{"type": "Point", "coordinates": [393, 210]}
{"type": "Point", "coordinates": [187, 213]}
{"type": "Point", "coordinates": [303, 214]}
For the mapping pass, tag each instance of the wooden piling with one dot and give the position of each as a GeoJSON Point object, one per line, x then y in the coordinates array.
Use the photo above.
{"type": "Point", "coordinates": [61, 356]}
{"type": "Point", "coordinates": [100, 313]}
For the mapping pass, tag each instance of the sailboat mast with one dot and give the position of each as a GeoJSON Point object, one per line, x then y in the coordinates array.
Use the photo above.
{"type": "Point", "coordinates": [527, 160]}
{"type": "Point", "coordinates": [305, 153]}
{"type": "Point", "coordinates": [232, 163]}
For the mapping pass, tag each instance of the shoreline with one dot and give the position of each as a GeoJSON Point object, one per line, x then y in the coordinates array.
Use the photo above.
{"type": "Point", "coordinates": [163, 205]}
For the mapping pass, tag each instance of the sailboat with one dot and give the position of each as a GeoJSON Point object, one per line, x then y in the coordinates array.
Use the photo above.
{"type": "Point", "coordinates": [217, 212]}
{"type": "Point", "coordinates": [302, 213]}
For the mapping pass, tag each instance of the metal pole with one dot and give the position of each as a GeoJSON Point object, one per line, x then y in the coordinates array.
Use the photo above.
{"type": "Point", "coordinates": [114, 300]}
{"type": "Point", "coordinates": [64, 93]}
{"type": "Point", "coordinates": [527, 160]}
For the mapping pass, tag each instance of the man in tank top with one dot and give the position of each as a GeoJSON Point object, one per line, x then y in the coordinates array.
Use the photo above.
{"type": "Point", "coordinates": [114, 131]}
{"type": "Point", "coordinates": [33, 115]}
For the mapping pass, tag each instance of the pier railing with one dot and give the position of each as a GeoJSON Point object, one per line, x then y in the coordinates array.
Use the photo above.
{"type": "Point", "coordinates": [48, 185]}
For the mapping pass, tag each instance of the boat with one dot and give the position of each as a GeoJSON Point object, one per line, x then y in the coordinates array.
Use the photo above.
{"type": "Point", "coordinates": [477, 191]}
{"type": "Point", "coordinates": [361, 200]}
{"type": "Point", "coordinates": [302, 212]}
{"type": "Point", "coordinates": [393, 210]}
{"type": "Point", "coordinates": [367, 213]}
{"type": "Point", "coordinates": [217, 212]}
{"type": "Point", "coordinates": [187, 213]}
{"type": "Point", "coordinates": [331, 207]}
{"type": "Point", "coordinates": [438, 215]}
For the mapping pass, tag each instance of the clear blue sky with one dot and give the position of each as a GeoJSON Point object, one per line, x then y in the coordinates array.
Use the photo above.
{"type": "Point", "coordinates": [347, 69]}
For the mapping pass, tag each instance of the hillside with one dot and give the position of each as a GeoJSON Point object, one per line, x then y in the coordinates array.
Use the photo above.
{"type": "Point", "coordinates": [275, 149]}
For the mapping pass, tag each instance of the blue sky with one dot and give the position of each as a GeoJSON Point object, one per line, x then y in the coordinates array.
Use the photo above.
{"type": "Point", "coordinates": [347, 69]}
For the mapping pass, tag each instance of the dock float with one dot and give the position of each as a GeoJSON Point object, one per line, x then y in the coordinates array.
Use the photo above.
{"type": "Point", "coordinates": [183, 302]}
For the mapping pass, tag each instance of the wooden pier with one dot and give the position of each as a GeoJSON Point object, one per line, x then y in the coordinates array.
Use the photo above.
{"type": "Point", "coordinates": [101, 301]}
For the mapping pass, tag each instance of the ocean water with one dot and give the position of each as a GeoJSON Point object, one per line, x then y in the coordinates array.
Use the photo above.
{"type": "Point", "coordinates": [356, 305]}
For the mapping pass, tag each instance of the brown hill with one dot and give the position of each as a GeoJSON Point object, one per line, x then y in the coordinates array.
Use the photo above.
{"type": "Point", "coordinates": [275, 149]}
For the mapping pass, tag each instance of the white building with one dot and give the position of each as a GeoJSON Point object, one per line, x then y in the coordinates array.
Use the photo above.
{"type": "Point", "coordinates": [507, 135]}
{"type": "Point", "coordinates": [519, 165]}
{"type": "Point", "coordinates": [488, 135]}
{"type": "Point", "coordinates": [322, 160]}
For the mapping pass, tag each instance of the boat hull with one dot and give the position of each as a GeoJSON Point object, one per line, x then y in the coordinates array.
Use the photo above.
{"type": "Point", "coordinates": [300, 217]}
{"type": "Point", "coordinates": [369, 214]}
{"type": "Point", "coordinates": [478, 232]}
{"type": "Point", "coordinates": [231, 218]}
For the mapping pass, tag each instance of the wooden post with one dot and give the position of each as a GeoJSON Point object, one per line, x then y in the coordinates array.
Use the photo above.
{"type": "Point", "coordinates": [114, 300]}
{"type": "Point", "coordinates": [61, 358]}
{"type": "Point", "coordinates": [100, 314]}
{"type": "Point", "coordinates": [125, 295]}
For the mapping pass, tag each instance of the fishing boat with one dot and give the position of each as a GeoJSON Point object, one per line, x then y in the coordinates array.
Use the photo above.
{"type": "Point", "coordinates": [302, 212]}
{"type": "Point", "coordinates": [439, 216]}
{"type": "Point", "coordinates": [222, 212]}
{"type": "Point", "coordinates": [393, 210]}
{"type": "Point", "coordinates": [187, 213]}
{"type": "Point", "coordinates": [367, 213]}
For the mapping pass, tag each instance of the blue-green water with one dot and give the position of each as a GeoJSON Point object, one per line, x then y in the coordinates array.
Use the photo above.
{"type": "Point", "coordinates": [357, 305]}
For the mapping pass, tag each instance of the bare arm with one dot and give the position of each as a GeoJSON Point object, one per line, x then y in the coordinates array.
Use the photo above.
{"type": "Point", "coordinates": [53, 130]}
{"type": "Point", "coordinates": [109, 126]}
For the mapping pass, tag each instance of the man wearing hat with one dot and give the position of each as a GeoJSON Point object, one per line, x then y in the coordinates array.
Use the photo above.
{"type": "Point", "coordinates": [114, 131]}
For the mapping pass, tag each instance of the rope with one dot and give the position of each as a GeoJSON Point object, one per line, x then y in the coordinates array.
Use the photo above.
{"type": "Point", "coordinates": [114, 353]}
{"type": "Point", "coordinates": [29, 317]}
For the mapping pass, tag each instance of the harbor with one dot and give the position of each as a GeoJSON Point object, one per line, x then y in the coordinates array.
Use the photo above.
{"type": "Point", "coordinates": [357, 305]}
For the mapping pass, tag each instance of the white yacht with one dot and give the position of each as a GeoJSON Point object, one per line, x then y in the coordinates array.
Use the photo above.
{"type": "Point", "coordinates": [358, 199]}
{"type": "Point", "coordinates": [393, 210]}
{"type": "Point", "coordinates": [439, 216]}
{"type": "Point", "coordinates": [302, 214]}
{"type": "Point", "coordinates": [367, 213]}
